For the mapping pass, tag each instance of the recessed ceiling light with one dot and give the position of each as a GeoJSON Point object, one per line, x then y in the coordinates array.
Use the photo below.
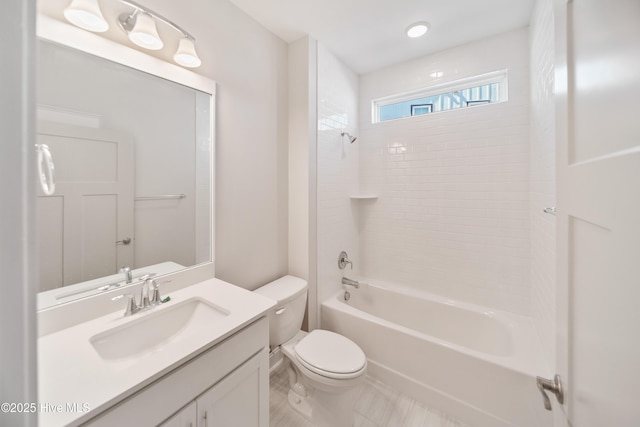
{"type": "Point", "coordinates": [417, 30]}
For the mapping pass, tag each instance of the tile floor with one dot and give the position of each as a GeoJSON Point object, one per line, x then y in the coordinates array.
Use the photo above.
{"type": "Point", "coordinates": [378, 406]}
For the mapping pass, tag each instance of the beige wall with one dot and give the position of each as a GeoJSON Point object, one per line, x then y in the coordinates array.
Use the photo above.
{"type": "Point", "coordinates": [302, 168]}
{"type": "Point", "coordinates": [249, 65]}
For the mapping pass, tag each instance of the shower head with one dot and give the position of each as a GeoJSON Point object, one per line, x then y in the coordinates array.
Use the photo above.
{"type": "Point", "coordinates": [352, 139]}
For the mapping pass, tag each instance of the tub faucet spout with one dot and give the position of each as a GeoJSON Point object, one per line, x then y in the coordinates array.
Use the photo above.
{"type": "Point", "coordinates": [349, 282]}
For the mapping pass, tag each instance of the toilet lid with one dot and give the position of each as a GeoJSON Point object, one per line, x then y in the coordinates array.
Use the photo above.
{"type": "Point", "coordinates": [327, 352]}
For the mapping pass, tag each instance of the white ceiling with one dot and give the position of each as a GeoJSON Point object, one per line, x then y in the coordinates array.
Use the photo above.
{"type": "Point", "coordinates": [370, 34]}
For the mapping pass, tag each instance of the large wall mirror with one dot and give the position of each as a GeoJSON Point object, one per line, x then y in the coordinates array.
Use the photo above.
{"type": "Point", "coordinates": [132, 143]}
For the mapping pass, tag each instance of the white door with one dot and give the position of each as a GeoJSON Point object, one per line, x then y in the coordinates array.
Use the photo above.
{"type": "Point", "coordinates": [598, 211]}
{"type": "Point", "coordinates": [92, 207]}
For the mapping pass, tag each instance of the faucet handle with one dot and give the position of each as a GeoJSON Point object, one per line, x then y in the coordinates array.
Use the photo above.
{"type": "Point", "coordinates": [154, 289]}
{"type": "Point", "coordinates": [343, 260]}
{"type": "Point", "coordinates": [132, 307]}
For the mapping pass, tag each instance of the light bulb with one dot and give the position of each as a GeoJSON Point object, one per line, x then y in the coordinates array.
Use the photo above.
{"type": "Point", "coordinates": [86, 14]}
{"type": "Point", "coordinates": [186, 54]}
{"type": "Point", "coordinates": [144, 33]}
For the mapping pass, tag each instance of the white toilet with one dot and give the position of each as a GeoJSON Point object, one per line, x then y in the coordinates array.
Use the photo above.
{"type": "Point", "coordinates": [325, 368]}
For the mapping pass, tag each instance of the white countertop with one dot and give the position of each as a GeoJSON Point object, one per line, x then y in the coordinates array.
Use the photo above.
{"type": "Point", "coordinates": [70, 370]}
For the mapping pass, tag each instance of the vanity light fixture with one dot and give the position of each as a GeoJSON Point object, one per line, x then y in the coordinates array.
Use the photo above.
{"type": "Point", "coordinates": [86, 14]}
{"type": "Point", "coordinates": [141, 29]}
{"type": "Point", "coordinates": [140, 26]}
{"type": "Point", "coordinates": [186, 54]}
{"type": "Point", "coordinates": [418, 29]}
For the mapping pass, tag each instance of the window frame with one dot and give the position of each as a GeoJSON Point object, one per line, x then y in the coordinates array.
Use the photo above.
{"type": "Point", "coordinates": [500, 77]}
{"type": "Point", "coordinates": [415, 107]}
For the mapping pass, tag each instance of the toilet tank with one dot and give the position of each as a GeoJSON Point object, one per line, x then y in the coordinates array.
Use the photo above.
{"type": "Point", "coordinates": [285, 319]}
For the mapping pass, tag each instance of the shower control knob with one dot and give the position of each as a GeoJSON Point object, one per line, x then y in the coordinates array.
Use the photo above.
{"type": "Point", "coordinates": [343, 260]}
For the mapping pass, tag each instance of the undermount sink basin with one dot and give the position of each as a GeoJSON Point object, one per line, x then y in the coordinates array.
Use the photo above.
{"type": "Point", "coordinates": [156, 329]}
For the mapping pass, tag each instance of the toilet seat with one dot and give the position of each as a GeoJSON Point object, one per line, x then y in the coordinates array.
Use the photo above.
{"type": "Point", "coordinates": [330, 355]}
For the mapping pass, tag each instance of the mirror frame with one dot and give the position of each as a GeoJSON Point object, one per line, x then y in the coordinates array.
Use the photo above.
{"type": "Point", "coordinates": [65, 34]}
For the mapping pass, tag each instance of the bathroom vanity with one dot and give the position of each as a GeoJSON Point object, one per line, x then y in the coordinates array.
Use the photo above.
{"type": "Point", "coordinates": [200, 359]}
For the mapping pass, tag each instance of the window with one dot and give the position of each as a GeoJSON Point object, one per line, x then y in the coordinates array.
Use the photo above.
{"type": "Point", "coordinates": [484, 89]}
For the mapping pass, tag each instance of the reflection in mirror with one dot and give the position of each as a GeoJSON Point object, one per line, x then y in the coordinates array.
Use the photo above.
{"type": "Point", "coordinates": [132, 155]}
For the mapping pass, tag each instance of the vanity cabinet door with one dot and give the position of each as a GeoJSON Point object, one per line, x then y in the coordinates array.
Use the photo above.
{"type": "Point", "coordinates": [187, 417]}
{"type": "Point", "coordinates": [241, 399]}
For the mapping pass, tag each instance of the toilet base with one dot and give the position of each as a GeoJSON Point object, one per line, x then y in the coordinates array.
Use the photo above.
{"type": "Point", "coordinates": [326, 410]}
{"type": "Point", "coordinates": [300, 404]}
{"type": "Point", "coordinates": [322, 408]}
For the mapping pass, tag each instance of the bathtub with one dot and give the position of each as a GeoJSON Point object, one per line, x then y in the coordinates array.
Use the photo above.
{"type": "Point", "coordinates": [477, 365]}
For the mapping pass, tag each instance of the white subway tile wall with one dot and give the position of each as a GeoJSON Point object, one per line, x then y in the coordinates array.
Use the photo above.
{"type": "Point", "coordinates": [543, 175]}
{"type": "Point", "coordinates": [453, 213]}
{"type": "Point", "coordinates": [337, 171]}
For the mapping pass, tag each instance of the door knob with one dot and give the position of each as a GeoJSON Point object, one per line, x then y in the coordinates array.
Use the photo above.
{"type": "Point", "coordinates": [124, 241]}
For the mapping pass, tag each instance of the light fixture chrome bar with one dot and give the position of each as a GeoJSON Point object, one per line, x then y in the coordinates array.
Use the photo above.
{"type": "Point", "coordinates": [162, 197]}
{"type": "Point", "coordinates": [158, 17]}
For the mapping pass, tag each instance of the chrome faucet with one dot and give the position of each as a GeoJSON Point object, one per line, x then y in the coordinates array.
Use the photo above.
{"type": "Point", "coordinates": [128, 275]}
{"type": "Point", "coordinates": [144, 296]}
{"type": "Point", "coordinates": [146, 302]}
{"type": "Point", "coordinates": [349, 282]}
